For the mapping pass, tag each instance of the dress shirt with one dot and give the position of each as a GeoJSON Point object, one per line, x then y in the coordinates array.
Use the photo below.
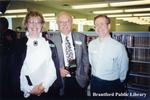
{"type": "Point", "coordinates": [37, 56]}
{"type": "Point", "coordinates": [64, 47]}
{"type": "Point", "coordinates": [108, 59]}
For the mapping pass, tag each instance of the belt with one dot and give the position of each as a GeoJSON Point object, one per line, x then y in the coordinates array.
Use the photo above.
{"type": "Point", "coordinates": [99, 79]}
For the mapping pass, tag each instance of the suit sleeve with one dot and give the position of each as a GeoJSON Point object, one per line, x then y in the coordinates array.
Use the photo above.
{"type": "Point", "coordinates": [85, 55]}
{"type": "Point", "coordinates": [57, 83]}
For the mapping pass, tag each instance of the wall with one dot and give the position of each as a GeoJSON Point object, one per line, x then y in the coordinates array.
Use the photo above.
{"type": "Point", "coordinates": [17, 22]}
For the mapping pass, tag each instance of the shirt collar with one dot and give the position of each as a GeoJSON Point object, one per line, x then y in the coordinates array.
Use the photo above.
{"type": "Point", "coordinates": [105, 39]}
{"type": "Point", "coordinates": [27, 34]}
{"type": "Point", "coordinates": [64, 36]}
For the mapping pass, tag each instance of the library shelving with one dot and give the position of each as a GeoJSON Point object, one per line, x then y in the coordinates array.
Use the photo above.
{"type": "Point", "coordinates": [138, 47]}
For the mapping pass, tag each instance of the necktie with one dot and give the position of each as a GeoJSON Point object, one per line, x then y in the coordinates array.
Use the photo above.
{"type": "Point", "coordinates": [69, 52]}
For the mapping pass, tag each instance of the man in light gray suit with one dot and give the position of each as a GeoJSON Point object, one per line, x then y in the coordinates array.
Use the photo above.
{"type": "Point", "coordinates": [75, 67]}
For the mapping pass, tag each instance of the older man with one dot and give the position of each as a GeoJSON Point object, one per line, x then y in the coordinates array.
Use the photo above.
{"type": "Point", "coordinates": [73, 56]}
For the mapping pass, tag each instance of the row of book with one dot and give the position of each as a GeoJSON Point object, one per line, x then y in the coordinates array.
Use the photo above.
{"type": "Point", "coordinates": [140, 54]}
{"type": "Point", "coordinates": [139, 81]}
{"type": "Point", "coordinates": [139, 67]}
{"type": "Point", "coordinates": [132, 41]}
{"type": "Point", "coordinates": [142, 41]}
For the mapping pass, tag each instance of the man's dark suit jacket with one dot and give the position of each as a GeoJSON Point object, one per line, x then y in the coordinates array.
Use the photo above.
{"type": "Point", "coordinates": [81, 54]}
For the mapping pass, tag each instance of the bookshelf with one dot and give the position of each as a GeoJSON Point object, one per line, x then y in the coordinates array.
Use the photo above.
{"type": "Point", "coordinates": [138, 48]}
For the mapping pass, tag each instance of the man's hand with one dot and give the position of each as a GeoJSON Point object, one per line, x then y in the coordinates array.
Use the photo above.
{"type": "Point", "coordinates": [63, 72]}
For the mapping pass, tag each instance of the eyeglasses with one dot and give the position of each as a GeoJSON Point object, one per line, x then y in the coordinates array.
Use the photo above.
{"type": "Point", "coordinates": [34, 22]}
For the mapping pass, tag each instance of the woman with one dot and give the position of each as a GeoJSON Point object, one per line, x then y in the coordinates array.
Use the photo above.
{"type": "Point", "coordinates": [38, 71]}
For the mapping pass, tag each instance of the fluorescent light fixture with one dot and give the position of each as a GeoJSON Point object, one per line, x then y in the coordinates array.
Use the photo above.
{"type": "Point", "coordinates": [13, 16]}
{"type": "Point", "coordinates": [10, 16]}
{"type": "Point", "coordinates": [137, 10]}
{"type": "Point", "coordinates": [20, 15]}
{"type": "Point", "coordinates": [86, 6]}
{"type": "Point", "coordinates": [148, 18]}
{"type": "Point", "coordinates": [84, 21]}
{"type": "Point", "coordinates": [142, 14]}
{"type": "Point", "coordinates": [120, 15]}
{"type": "Point", "coordinates": [121, 18]}
{"type": "Point", "coordinates": [48, 14]}
{"type": "Point", "coordinates": [50, 18]}
{"type": "Point", "coordinates": [130, 3]}
{"type": "Point", "coordinates": [79, 19]}
{"type": "Point", "coordinates": [38, 0]}
{"type": "Point", "coordinates": [16, 11]}
{"type": "Point", "coordinates": [108, 12]}
{"type": "Point", "coordinates": [137, 20]}
{"type": "Point", "coordinates": [118, 24]}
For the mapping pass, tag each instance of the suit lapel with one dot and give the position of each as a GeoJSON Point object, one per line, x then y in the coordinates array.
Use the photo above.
{"type": "Point", "coordinates": [60, 49]}
{"type": "Point", "coordinates": [74, 38]}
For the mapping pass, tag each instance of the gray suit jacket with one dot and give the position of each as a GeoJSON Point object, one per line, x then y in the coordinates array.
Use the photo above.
{"type": "Point", "coordinates": [81, 54]}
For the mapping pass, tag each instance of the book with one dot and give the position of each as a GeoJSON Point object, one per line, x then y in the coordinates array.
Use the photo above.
{"type": "Point", "coordinates": [37, 76]}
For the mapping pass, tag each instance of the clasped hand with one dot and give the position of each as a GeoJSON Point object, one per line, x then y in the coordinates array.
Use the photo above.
{"type": "Point", "coordinates": [37, 90]}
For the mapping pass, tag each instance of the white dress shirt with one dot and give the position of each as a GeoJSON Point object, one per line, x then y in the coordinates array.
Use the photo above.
{"type": "Point", "coordinates": [63, 46]}
{"type": "Point", "coordinates": [37, 57]}
{"type": "Point", "coordinates": [108, 59]}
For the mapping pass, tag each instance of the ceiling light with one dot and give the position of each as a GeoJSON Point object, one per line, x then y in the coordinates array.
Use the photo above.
{"type": "Point", "coordinates": [129, 3]}
{"type": "Point", "coordinates": [125, 18]}
{"type": "Point", "coordinates": [16, 11]}
{"type": "Point", "coordinates": [137, 20]}
{"type": "Point", "coordinates": [50, 18]}
{"type": "Point", "coordinates": [142, 14]}
{"type": "Point", "coordinates": [107, 11]}
{"type": "Point", "coordinates": [10, 16]}
{"type": "Point", "coordinates": [48, 14]}
{"type": "Point", "coordinates": [100, 5]}
{"type": "Point", "coordinates": [38, 0]}
{"type": "Point", "coordinates": [79, 19]}
{"type": "Point", "coordinates": [137, 10]}
{"type": "Point", "coordinates": [118, 24]}
{"type": "Point", "coordinates": [84, 21]}
{"type": "Point", "coordinates": [20, 16]}
{"type": "Point", "coordinates": [146, 17]}
{"type": "Point", "coordinates": [120, 15]}
{"type": "Point", "coordinates": [14, 16]}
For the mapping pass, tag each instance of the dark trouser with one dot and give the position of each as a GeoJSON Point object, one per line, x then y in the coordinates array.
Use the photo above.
{"type": "Point", "coordinates": [106, 89]}
{"type": "Point", "coordinates": [53, 94]}
{"type": "Point", "coordinates": [72, 88]}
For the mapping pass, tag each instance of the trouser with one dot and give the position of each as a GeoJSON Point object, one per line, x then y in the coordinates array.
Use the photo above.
{"type": "Point", "coordinates": [103, 88]}
{"type": "Point", "coordinates": [72, 88]}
